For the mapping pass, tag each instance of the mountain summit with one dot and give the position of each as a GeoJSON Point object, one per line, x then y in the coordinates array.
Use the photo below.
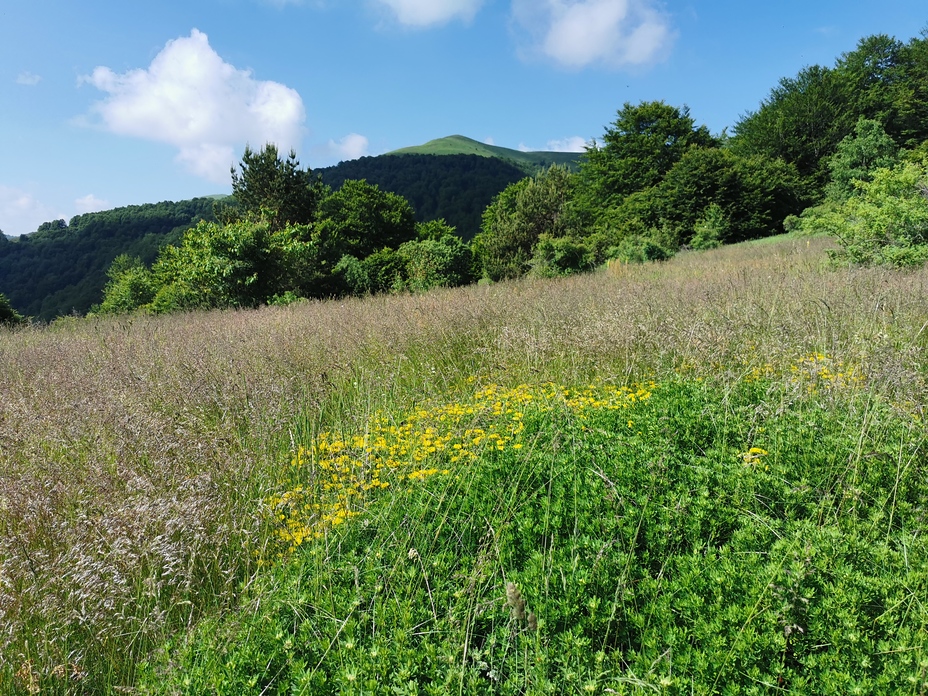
{"type": "Point", "coordinates": [462, 145]}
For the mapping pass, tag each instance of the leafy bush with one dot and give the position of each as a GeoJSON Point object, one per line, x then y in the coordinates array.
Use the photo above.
{"type": "Point", "coordinates": [130, 287]}
{"type": "Point", "coordinates": [711, 229]}
{"type": "Point", "coordinates": [638, 250]}
{"type": "Point", "coordinates": [437, 263]}
{"type": "Point", "coordinates": [556, 256]}
{"type": "Point", "coordinates": [516, 219]}
{"type": "Point", "coordinates": [886, 222]}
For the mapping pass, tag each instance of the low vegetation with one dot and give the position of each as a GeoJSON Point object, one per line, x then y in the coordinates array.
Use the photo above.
{"type": "Point", "coordinates": [697, 476]}
{"type": "Point", "coordinates": [696, 468]}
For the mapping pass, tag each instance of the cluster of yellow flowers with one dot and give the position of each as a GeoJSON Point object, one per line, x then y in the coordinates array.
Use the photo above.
{"type": "Point", "coordinates": [814, 371]}
{"type": "Point", "coordinates": [339, 473]}
{"type": "Point", "coordinates": [819, 371]}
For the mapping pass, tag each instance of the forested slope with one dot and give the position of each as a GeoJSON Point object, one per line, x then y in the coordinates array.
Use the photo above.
{"type": "Point", "coordinates": [61, 268]}
{"type": "Point", "coordinates": [457, 188]}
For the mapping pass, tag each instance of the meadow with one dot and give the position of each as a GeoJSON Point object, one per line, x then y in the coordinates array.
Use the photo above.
{"type": "Point", "coordinates": [703, 476]}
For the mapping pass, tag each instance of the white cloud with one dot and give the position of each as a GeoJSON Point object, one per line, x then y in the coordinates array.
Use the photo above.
{"type": "Point", "coordinates": [352, 146]}
{"type": "Point", "coordinates": [21, 212]}
{"type": "Point", "coordinates": [424, 13]}
{"type": "Point", "coordinates": [90, 204]}
{"type": "Point", "coordinates": [190, 98]}
{"type": "Point", "coordinates": [578, 33]}
{"type": "Point", "coordinates": [29, 79]}
{"type": "Point", "coordinates": [489, 140]}
{"type": "Point", "coordinates": [572, 144]}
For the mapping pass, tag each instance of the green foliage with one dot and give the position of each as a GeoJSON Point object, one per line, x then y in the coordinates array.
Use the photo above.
{"type": "Point", "coordinates": [382, 271]}
{"type": "Point", "coordinates": [640, 146]}
{"type": "Point", "coordinates": [886, 222]}
{"type": "Point", "coordinates": [637, 249]}
{"type": "Point", "coordinates": [215, 266]}
{"type": "Point", "coordinates": [517, 218]}
{"type": "Point", "coordinates": [857, 155]}
{"type": "Point", "coordinates": [454, 187]}
{"type": "Point", "coordinates": [753, 193]}
{"type": "Point", "coordinates": [61, 269]}
{"type": "Point", "coordinates": [433, 229]}
{"type": "Point", "coordinates": [269, 188]}
{"type": "Point", "coordinates": [801, 122]}
{"type": "Point", "coordinates": [9, 317]}
{"type": "Point", "coordinates": [712, 229]}
{"type": "Point", "coordinates": [285, 299]}
{"type": "Point", "coordinates": [704, 540]}
{"type": "Point", "coordinates": [445, 262]}
{"type": "Point", "coordinates": [130, 287]}
{"type": "Point", "coordinates": [805, 118]}
{"type": "Point", "coordinates": [558, 256]}
{"type": "Point", "coordinates": [360, 218]}
{"type": "Point", "coordinates": [888, 83]}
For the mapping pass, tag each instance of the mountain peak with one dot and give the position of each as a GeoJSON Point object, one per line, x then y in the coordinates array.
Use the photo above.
{"type": "Point", "coordinates": [462, 145]}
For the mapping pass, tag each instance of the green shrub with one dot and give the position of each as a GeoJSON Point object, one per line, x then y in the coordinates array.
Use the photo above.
{"type": "Point", "coordinates": [638, 250]}
{"type": "Point", "coordinates": [885, 223]}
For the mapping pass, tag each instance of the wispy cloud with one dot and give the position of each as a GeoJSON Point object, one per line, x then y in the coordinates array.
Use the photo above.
{"type": "Point", "coordinates": [577, 33]}
{"type": "Point", "coordinates": [192, 99]}
{"type": "Point", "coordinates": [426, 13]}
{"type": "Point", "coordinates": [21, 212]}
{"type": "Point", "coordinates": [29, 79]}
{"type": "Point", "coordinates": [572, 144]}
{"type": "Point", "coordinates": [352, 146]}
{"type": "Point", "coordinates": [91, 204]}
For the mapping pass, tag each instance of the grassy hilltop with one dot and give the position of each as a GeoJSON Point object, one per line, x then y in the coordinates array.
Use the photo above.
{"type": "Point", "coordinates": [461, 145]}
{"type": "Point", "coordinates": [700, 476]}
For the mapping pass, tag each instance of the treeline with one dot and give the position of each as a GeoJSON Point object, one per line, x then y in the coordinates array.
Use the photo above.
{"type": "Point", "coordinates": [841, 149]}
{"type": "Point", "coordinates": [659, 182]}
{"type": "Point", "coordinates": [61, 268]}
{"type": "Point", "coordinates": [286, 235]}
{"type": "Point", "coordinates": [456, 188]}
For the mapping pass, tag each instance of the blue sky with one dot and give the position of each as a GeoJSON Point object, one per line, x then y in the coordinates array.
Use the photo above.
{"type": "Point", "coordinates": [106, 103]}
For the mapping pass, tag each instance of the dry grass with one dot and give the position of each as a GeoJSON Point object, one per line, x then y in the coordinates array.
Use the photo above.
{"type": "Point", "coordinates": [134, 452]}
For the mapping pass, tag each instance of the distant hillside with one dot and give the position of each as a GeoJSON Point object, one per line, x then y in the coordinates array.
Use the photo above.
{"type": "Point", "coordinates": [61, 268]}
{"type": "Point", "coordinates": [455, 187]}
{"type": "Point", "coordinates": [460, 145]}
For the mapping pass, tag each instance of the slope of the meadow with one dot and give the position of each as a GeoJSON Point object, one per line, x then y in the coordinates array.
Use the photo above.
{"type": "Point", "coordinates": [701, 476]}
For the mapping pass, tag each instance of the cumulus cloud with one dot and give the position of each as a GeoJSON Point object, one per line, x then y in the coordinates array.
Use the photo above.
{"type": "Point", "coordinates": [29, 79]}
{"type": "Point", "coordinates": [572, 144]}
{"type": "Point", "coordinates": [425, 13]}
{"type": "Point", "coordinates": [21, 212]}
{"type": "Point", "coordinates": [90, 204]}
{"type": "Point", "coordinates": [489, 140]}
{"type": "Point", "coordinates": [578, 33]}
{"type": "Point", "coordinates": [352, 146]}
{"type": "Point", "coordinates": [190, 98]}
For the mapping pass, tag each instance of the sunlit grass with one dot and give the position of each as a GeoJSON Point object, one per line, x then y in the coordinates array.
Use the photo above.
{"type": "Point", "coordinates": [145, 465]}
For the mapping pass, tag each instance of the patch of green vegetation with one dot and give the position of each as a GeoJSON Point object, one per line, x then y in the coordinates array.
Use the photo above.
{"type": "Point", "coordinates": [690, 539]}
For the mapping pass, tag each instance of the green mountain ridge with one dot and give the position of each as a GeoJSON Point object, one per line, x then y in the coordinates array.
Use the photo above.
{"type": "Point", "coordinates": [462, 145]}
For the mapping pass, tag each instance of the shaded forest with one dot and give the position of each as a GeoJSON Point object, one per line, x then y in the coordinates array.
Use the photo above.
{"type": "Point", "coordinates": [61, 268]}
{"type": "Point", "coordinates": [455, 187]}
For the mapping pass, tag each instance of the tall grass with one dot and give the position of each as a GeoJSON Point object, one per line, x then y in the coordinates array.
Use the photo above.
{"type": "Point", "coordinates": [136, 454]}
